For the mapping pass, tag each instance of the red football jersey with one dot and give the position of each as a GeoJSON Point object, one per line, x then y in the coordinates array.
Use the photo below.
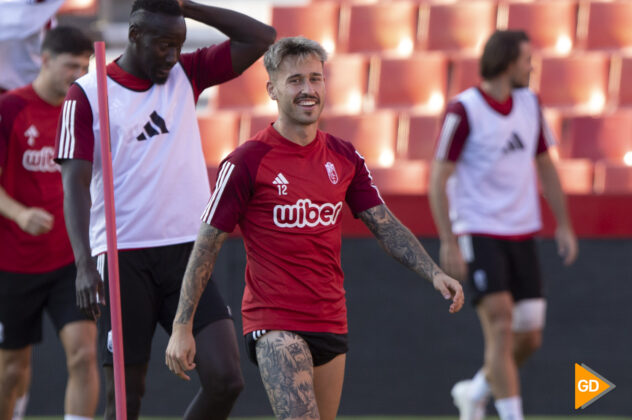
{"type": "Point", "coordinates": [30, 176]}
{"type": "Point", "coordinates": [287, 200]}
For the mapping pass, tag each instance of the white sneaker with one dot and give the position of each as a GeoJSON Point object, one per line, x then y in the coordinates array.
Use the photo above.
{"type": "Point", "coordinates": [469, 409]}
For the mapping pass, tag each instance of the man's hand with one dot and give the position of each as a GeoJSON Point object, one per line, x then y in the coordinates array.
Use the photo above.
{"type": "Point", "coordinates": [35, 221]}
{"type": "Point", "coordinates": [567, 247]}
{"type": "Point", "coordinates": [451, 260]}
{"type": "Point", "coordinates": [90, 291]}
{"type": "Point", "coordinates": [181, 351]}
{"type": "Point", "coordinates": [450, 289]}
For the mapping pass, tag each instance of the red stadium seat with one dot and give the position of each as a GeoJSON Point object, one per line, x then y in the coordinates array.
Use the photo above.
{"type": "Point", "coordinates": [317, 21]}
{"type": "Point", "coordinates": [252, 124]}
{"type": "Point", "coordinates": [576, 175]}
{"type": "Point", "coordinates": [404, 178]}
{"type": "Point", "coordinates": [464, 74]}
{"type": "Point", "coordinates": [613, 178]}
{"type": "Point", "coordinates": [604, 137]}
{"type": "Point", "coordinates": [381, 27]}
{"type": "Point", "coordinates": [373, 134]}
{"type": "Point", "coordinates": [577, 83]}
{"type": "Point", "coordinates": [419, 82]}
{"type": "Point", "coordinates": [609, 25]}
{"type": "Point", "coordinates": [420, 136]}
{"type": "Point", "coordinates": [219, 132]}
{"type": "Point", "coordinates": [247, 91]}
{"type": "Point", "coordinates": [346, 80]}
{"type": "Point", "coordinates": [79, 7]}
{"type": "Point", "coordinates": [549, 24]}
{"type": "Point", "coordinates": [625, 83]}
{"type": "Point", "coordinates": [458, 26]}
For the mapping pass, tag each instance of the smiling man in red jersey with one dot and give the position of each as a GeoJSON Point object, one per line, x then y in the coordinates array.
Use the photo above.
{"type": "Point", "coordinates": [285, 189]}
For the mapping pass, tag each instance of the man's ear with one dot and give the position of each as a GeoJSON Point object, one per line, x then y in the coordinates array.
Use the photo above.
{"type": "Point", "coordinates": [271, 92]}
{"type": "Point", "coordinates": [134, 33]}
{"type": "Point", "coordinates": [46, 56]}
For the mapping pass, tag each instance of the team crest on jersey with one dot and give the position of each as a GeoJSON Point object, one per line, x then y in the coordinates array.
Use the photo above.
{"type": "Point", "coordinates": [331, 172]}
{"type": "Point", "coordinates": [31, 133]}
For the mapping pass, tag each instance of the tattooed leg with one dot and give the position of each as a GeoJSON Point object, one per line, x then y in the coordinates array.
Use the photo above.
{"type": "Point", "coordinates": [286, 368]}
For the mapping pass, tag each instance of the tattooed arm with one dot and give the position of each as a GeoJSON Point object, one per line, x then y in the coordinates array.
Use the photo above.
{"type": "Point", "coordinates": [399, 242]}
{"type": "Point", "coordinates": [181, 348]}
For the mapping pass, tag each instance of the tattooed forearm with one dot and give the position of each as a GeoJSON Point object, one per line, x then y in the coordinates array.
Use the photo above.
{"type": "Point", "coordinates": [286, 368]}
{"type": "Point", "coordinates": [398, 241]}
{"type": "Point", "coordinates": [198, 272]}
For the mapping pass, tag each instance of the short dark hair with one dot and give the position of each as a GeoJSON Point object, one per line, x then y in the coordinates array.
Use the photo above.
{"type": "Point", "coordinates": [67, 39]}
{"type": "Point", "coordinates": [501, 49]}
{"type": "Point", "coordinates": [166, 7]}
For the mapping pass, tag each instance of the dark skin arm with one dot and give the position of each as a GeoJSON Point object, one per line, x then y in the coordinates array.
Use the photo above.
{"type": "Point", "coordinates": [399, 242]}
{"type": "Point", "coordinates": [181, 348]}
{"type": "Point", "coordinates": [76, 176]}
{"type": "Point", "coordinates": [249, 37]}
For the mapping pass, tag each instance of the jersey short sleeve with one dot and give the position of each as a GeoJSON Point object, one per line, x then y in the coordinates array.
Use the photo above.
{"type": "Point", "coordinates": [208, 66]}
{"type": "Point", "coordinates": [362, 193]}
{"type": "Point", "coordinates": [235, 184]}
{"type": "Point", "coordinates": [75, 138]}
{"type": "Point", "coordinates": [453, 133]}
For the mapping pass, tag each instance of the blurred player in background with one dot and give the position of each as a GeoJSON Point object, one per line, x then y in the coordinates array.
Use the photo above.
{"type": "Point", "coordinates": [484, 199]}
{"type": "Point", "coordinates": [37, 269]}
{"type": "Point", "coordinates": [23, 24]}
{"type": "Point", "coordinates": [161, 186]}
{"type": "Point", "coordinates": [285, 189]}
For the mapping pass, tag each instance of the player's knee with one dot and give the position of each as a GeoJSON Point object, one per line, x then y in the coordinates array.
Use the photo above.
{"type": "Point", "coordinates": [225, 384]}
{"type": "Point", "coordinates": [15, 375]}
{"type": "Point", "coordinates": [82, 360]}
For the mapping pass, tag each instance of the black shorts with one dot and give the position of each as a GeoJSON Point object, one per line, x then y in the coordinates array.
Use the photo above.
{"type": "Point", "coordinates": [23, 299]}
{"type": "Point", "coordinates": [499, 265]}
{"type": "Point", "coordinates": [323, 346]}
{"type": "Point", "coordinates": [150, 281]}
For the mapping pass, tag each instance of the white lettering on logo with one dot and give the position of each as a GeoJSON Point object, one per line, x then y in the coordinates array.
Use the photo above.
{"type": "Point", "coordinates": [305, 213]}
{"type": "Point", "coordinates": [40, 160]}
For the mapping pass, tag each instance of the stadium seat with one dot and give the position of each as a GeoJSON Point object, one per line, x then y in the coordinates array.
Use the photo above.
{"type": "Point", "coordinates": [464, 73]}
{"type": "Point", "coordinates": [317, 21]}
{"type": "Point", "coordinates": [578, 83]}
{"type": "Point", "coordinates": [609, 25]}
{"type": "Point", "coordinates": [404, 178]}
{"type": "Point", "coordinates": [576, 175]}
{"type": "Point", "coordinates": [247, 91]}
{"type": "Point", "coordinates": [219, 132]}
{"type": "Point", "coordinates": [79, 7]}
{"type": "Point", "coordinates": [346, 79]}
{"type": "Point", "coordinates": [389, 27]}
{"type": "Point", "coordinates": [419, 134]}
{"type": "Point", "coordinates": [418, 82]}
{"type": "Point", "coordinates": [457, 26]}
{"type": "Point", "coordinates": [613, 178]}
{"type": "Point", "coordinates": [373, 134]}
{"type": "Point", "coordinates": [603, 137]}
{"type": "Point", "coordinates": [625, 82]}
{"type": "Point", "coordinates": [551, 25]}
{"type": "Point", "coordinates": [252, 124]}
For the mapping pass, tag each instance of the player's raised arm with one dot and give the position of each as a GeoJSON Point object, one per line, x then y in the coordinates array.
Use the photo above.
{"type": "Point", "coordinates": [181, 348]}
{"type": "Point", "coordinates": [399, 242]}
{"type": "Point", "coordinates": [249, 37]}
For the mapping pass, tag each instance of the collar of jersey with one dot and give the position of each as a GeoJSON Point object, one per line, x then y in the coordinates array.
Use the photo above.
{"type": "Point", "coordinates": [503, 108]}
{"type": "Point", "coordinates": [127, 80]}
{"type": "Point", "coordinates": [290, 144]}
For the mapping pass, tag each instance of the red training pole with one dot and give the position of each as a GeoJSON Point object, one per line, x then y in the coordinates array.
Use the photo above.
{"type": "Point", "coordinates": [110, 227]}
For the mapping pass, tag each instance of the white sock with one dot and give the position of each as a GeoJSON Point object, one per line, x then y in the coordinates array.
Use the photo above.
{"type": "Point", "coordinates": [19, 409]}
{"type": "Point", "coordinates": [509, 408]}
{"type": "Point", "coordinates": [479, 388]}
{"type": "Point", "coordinates": [73, 417]}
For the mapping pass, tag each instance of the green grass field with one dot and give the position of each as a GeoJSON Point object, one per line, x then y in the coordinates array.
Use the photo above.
{"type": "Point", "coordinates": [388, 418]}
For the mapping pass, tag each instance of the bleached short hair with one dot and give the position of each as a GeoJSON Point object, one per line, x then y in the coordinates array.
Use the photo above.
{"type": "Point", "coordinates": [296, 46]}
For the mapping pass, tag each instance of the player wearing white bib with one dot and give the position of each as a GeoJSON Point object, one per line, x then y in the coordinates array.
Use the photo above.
{"type": "Point", "coordinates": [485, 203]}
{"type": "Point", "coordinates": [160, 187]}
